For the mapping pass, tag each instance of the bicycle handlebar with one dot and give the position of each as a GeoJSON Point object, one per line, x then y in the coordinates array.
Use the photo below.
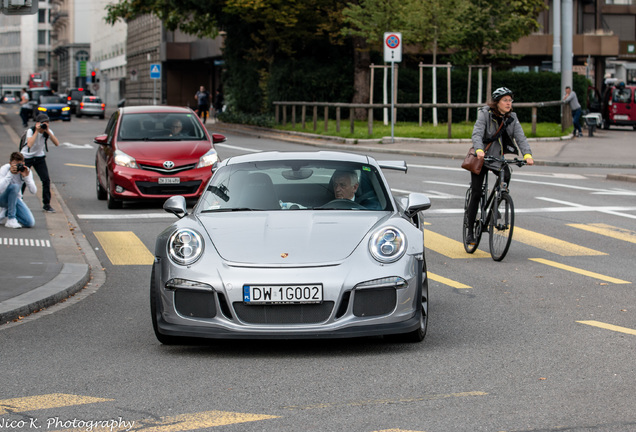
{"type": "Point", "coordinates": [516, 161]}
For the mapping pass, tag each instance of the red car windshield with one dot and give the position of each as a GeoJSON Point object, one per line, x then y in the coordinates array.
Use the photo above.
{"type": "Point", "coordinates": [160, 127]}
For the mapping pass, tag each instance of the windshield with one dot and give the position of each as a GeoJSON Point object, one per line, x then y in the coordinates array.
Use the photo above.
{"type": "Point", "coordinates": [51, 99]}
{"type": "Point", "coordinates": [161, 127]}
{"type": "Point", "coordinates": [295, 185]}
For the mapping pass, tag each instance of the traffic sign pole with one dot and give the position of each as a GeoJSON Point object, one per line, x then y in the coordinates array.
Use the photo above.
{"type": "Point", "coordinates": [155, 74]}
{"type": "Point", "coordinates": [392, 54]}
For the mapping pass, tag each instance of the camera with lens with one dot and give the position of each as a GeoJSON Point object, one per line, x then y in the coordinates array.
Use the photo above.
{"type": "Point", "coordinates": [20, 167]}
{"type": "Point", "coordinates": [43, 126]}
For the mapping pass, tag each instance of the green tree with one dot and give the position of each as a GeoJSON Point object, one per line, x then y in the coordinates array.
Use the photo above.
{"type": "Point", "coordinates": [488, 28]}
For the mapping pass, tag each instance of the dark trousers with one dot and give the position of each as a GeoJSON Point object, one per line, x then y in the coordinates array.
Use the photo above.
{"type": "Point", "coordinates": [39, 165]}
{"type": "Point", "coordinates": [476, 183]}
{"type": "Point", "coordinates": [576, 117]}
{"type": "Point", "coordinates": [24, 115]}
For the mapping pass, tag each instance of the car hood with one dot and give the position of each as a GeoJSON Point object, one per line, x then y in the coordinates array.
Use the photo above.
{"type": "Point", "coordinates": [288, 237]}
{"type": "Point", "coordinates": [53, 105]}
{"type": "Point", "coordinates": [157, 152]}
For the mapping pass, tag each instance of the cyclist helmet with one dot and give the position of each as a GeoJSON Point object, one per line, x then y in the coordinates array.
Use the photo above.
{"type": "Point", "coordinates": [501, 92]}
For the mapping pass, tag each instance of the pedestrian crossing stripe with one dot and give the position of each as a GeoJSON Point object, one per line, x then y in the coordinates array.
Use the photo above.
{"type": "Point", "coordinates": [124, 248]}
{"type": "Point", "coordinates": [449, 247]}
{"type": "Point", "coordinates": [9, 241]}
{"type": "Point", "coordinates": [446, 281]}
{"type": "Point", "coordinates": [178, 423]}
{"type": "Point", "coordinates": [608, 231]}
{"type": "Point", "coordinates": [551, 244]}
{"type": "Point", "coordinates": [54, 400]}
{"type": "Point", "coordinates": [587, 273]}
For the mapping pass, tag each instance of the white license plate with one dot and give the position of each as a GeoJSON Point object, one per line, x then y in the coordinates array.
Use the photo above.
{"type": "Point", "coordinates": [290, 294]}
{"type": "Point", "coordinates": [169, 180]}
{"type": "Point", "coordinates": [621, 117]}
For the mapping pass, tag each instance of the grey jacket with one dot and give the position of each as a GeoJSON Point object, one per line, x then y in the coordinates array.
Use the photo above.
{"type": "Point", "coordinates": [486, 126]}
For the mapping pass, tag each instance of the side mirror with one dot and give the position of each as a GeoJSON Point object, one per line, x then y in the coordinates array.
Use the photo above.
{"type": "Point", "coordinates": [101, 140]}
{"type": "Point", "coordinates": [218, 138]}
{"type": "Point", "coordinates": [176, 205]}
{"type": "Point", "coordinates": [417, 202]}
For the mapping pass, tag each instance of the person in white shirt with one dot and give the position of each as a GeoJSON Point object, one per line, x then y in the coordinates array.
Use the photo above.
{"type": "Point", "coordinates": [24, 110]}
{"type": "Point", "coordinates": [35, 155]}
{"type": "Point", "coordinates": [12, 208]}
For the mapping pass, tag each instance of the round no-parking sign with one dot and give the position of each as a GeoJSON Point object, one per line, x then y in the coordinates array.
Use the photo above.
{"type": "Point", "coordinates": [392, 47]}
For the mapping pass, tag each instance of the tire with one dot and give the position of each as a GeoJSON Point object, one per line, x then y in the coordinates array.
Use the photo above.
{"type": "Point", "coordinates": [112, 202]}
{"type": "Point", "coordinates": [466, 230]}
{"type": "Point", "coordinates": [419, 334]}
{"type": "Point", "coordinates": [101, 192]}
{"type": "Point", "coordinates": [501, 228]}
{"type": "Point", "coordinates": [154, 309]}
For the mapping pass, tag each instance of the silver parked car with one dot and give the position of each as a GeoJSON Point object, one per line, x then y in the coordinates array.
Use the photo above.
{"type": "Point", "coordinates": [91, 106]}
{"type": "Point", "coordinates": [275, 248]}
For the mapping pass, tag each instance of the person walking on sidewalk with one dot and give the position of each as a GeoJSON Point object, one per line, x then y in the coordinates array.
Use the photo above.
{"type": "Point", "coordinates": [12, 208]}
{"type": "Point", "coordinates": [24, 111]}
{"type": "Point", "coordinates": [575, 106]}
{"type": "Point", "coordinates": [203, 103]}
{"type": "Point", "coordinates": [35, 155]}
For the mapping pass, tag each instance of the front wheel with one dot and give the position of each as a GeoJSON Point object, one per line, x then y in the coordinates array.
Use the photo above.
{"type": "Point", "coordinates": [501, 226]}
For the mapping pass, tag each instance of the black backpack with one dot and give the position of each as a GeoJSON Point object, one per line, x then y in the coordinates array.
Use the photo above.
{"type": "Point", "coordinates": [23, 139]}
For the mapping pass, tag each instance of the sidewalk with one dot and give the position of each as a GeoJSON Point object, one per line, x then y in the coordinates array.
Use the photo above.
{"type": "Point", "coordinates": [46, 264]}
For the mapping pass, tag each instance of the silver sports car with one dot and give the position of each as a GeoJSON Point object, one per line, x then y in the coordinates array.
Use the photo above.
{"type": "Point", "coordinates": [293, 245]}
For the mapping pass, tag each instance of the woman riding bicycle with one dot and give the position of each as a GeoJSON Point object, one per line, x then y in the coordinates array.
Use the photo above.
{"type": "Point", "coordinates": [497, 129]}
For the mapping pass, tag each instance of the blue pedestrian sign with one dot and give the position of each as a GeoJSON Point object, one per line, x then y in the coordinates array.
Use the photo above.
{"type": "Point", "coordinates": [155, 71]}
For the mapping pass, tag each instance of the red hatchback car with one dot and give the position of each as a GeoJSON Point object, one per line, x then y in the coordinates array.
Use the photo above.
{"type": "Point", "coordinates": [154, 152]}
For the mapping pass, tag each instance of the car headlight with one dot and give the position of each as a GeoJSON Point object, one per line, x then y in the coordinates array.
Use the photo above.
{"type": "Point", "coordinates": [185, 246]}
{"type": "Point", "coordinates": [66, 109]}
{"type": "Point", "coordinates": [42, 109]}
{"type": "Point", "coordinates": [210, 158]}
{"type": "Point", "coordinates": [387, 245]}
{"type": "Point", "coordinates": [122, 159]}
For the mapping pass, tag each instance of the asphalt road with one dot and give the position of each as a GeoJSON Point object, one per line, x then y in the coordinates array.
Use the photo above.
{"type": "Point", "coordinates": [543, 341]}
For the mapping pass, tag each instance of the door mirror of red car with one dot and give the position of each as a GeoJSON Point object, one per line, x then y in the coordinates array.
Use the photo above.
{"type": "Point", "coordinates": [101, 140]}
{"type": "Point", "coordinates": [218, 138]}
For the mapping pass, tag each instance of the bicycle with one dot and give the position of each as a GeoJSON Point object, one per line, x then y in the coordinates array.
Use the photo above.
{"type": "Point", "coordinates": [495, 213]}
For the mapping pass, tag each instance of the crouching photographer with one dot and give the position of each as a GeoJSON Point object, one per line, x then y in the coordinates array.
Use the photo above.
{"type": "Point", "coordinates": [12, 208]}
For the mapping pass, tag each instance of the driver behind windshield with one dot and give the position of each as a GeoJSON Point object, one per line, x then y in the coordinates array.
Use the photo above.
{"type": "Point", "coordinates": [345, 184]}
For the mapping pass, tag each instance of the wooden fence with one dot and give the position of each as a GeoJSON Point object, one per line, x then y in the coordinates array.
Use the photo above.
{"type": "Point", "coordinates": [281, 108]}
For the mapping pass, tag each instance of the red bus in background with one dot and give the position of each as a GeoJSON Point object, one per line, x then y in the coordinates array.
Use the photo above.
{"type": "Point", "coordinates": [36, 80]}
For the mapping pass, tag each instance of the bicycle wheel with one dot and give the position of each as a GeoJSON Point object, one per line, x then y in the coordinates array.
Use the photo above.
{"type": "Point", "coordinates": [501, 226]}
{"type": "Point", "coordinates": [466, 230]}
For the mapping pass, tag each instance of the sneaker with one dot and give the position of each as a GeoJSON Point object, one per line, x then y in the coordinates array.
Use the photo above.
{"type": "Point", "coordinates": [3, 215]}
{"type": "Point", "coordinates": [12, 223]}
{"type": "Point", "coordinates": [47, 208]}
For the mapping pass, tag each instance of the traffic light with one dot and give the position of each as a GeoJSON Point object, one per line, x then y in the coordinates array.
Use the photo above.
{"type": "Point", "coordinates": [19, 7]}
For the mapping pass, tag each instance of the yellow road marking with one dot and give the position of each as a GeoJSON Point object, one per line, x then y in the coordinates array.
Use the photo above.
{"type": "Point", "coordinates": [54, 400]}
{"type": "Point", "coordinates": [449, 247]}
{"type": "Point", "coordinates": [446, 281]}
{"type": "Point", "coordinates": [182, 422]}
{"type": "Point", "coordinates": [386, 401]}
{"type": "Point", "coordinates": [80, 165]}
{"type": "Point", "coordinates": [124, 248]}
{"type": "Point", "coordinates": [608, 231]}
{"type": "Point", "coordinates": [397, 430]}
{"type": "Point", "coordinates": [551, 244]}
{"type": "Point", "coordinates": [579, 271]}
{"type": "Point", "coordinates": [609, 327]}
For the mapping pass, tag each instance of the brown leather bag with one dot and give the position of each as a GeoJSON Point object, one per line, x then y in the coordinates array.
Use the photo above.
{"type": "Point", "coordinates": [472, 163]}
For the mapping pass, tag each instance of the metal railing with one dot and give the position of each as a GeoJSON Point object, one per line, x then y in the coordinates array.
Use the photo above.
{"type": "Point", "coordinates": [281, 108]}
